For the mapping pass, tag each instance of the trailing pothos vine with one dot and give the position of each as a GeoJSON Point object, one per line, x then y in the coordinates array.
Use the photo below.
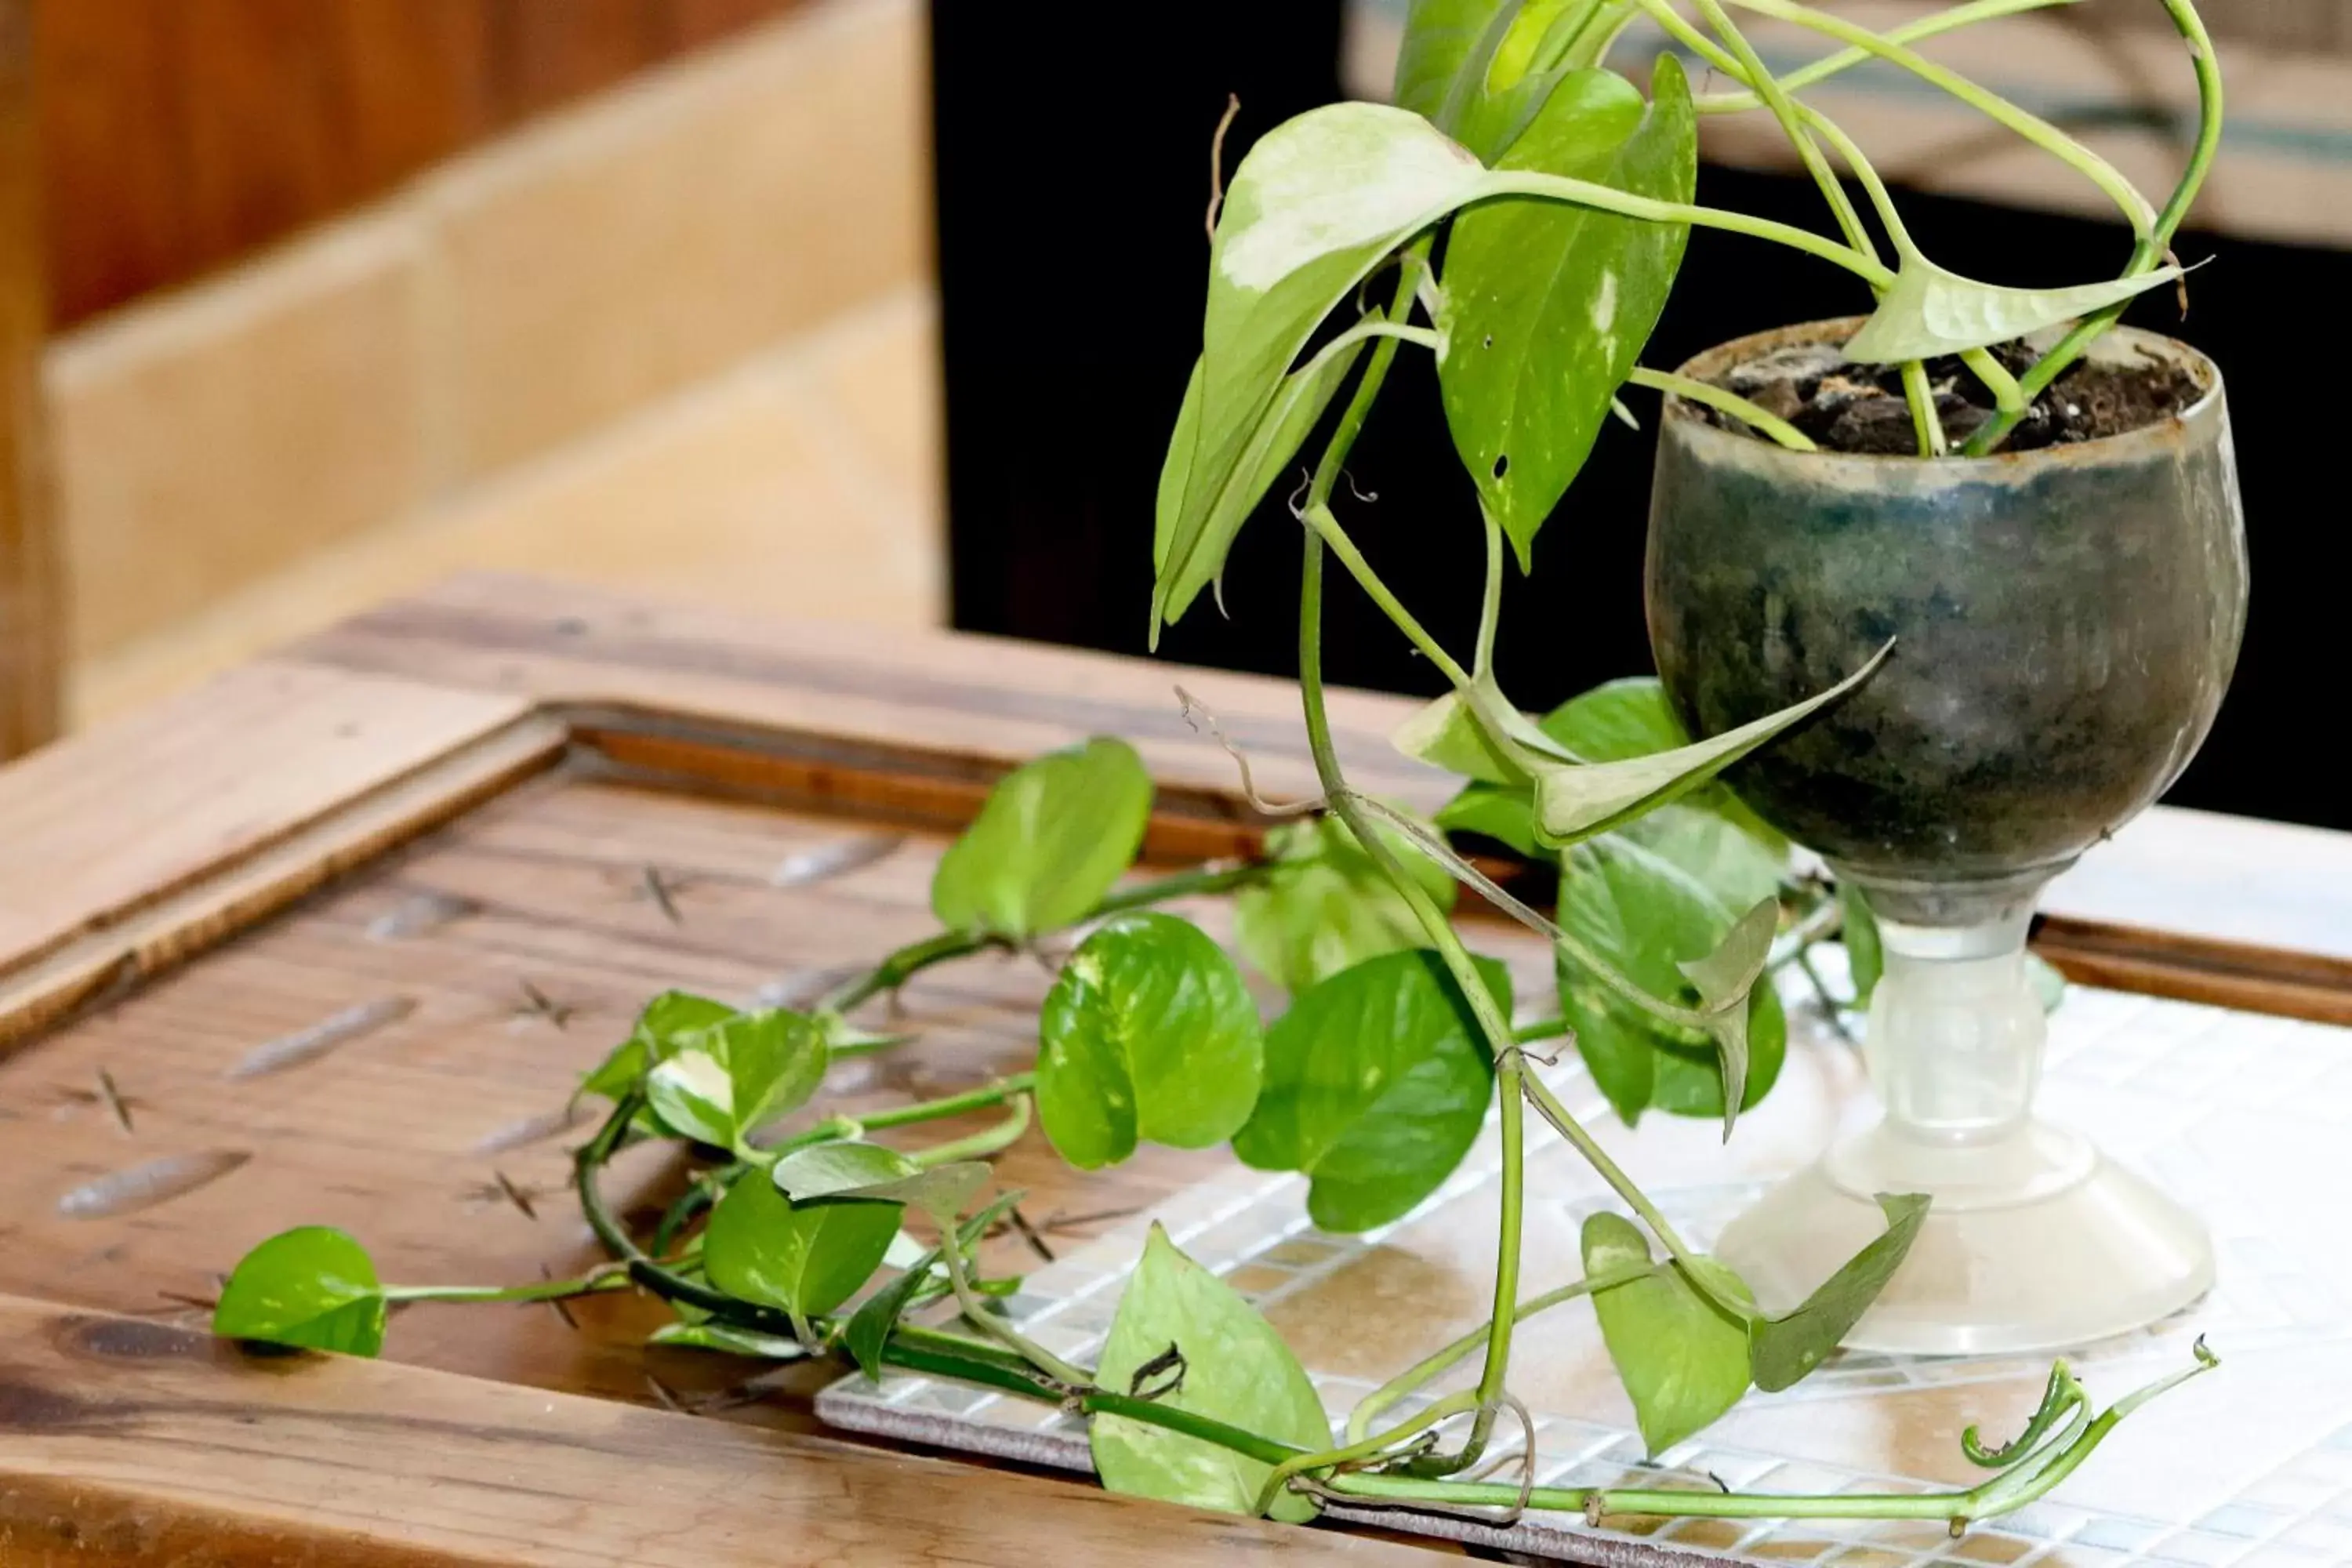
{"type": "Point", "coordinates": [1533, 206]}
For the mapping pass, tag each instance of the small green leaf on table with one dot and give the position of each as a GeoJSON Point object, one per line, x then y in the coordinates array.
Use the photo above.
{"type": "Point", "coordinates": [314, 1286]}
{"type": "Point", "coordinates": [760, 1247]}
{"type": "Point", "coordinates": [1234, 1369]}
{"type": "Point", "coordinates": [1681, 1358]}
{"type": "Point", "coordinates": [1782, 1350]}
{"type": "Point", "coordinates": [721, 1084]}
{"type": "Point", "coordinates": [1377, 1082]}
{"type": "Point", "coordinates": [665, 1020]}
{"type": "Point", "coordinates": [1052, 838]}
{"type": "Point", "coordinates": [1327, 904]}
{"type": "Point", "coordinates": [1149, 1034]}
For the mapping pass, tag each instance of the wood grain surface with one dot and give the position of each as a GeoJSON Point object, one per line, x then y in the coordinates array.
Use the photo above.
{"type": "Point", "coordinates": [125, 1444]}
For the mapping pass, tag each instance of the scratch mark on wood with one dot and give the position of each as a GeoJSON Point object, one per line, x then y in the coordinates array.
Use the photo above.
{"type": "Point", "coordinates": [538, 1003]}
{"type": "Point", "coordinates": [420, 914]}
{"type": "Point", "coordinates": [307, 1045]}
{"type": "Point", "coordinates": [534, 1129]}
{"type": "Point", "coordinates": [148, 1185]}
{"type": "Point", "coordinates": [806, 867]}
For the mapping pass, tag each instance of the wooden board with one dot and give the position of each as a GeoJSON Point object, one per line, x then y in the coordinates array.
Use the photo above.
{"type": "Point", "coordinates": [486, 825]}
{"type": "Point", "coordinates": [124, 1443]}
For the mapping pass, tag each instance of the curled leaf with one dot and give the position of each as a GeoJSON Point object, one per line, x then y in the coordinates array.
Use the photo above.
{"type": "Point", "coordinates": [1725, 977]}
{"type": "Point", "coordinates": [1317, 204]}
{"type": "Point", "coordinates": [1931, 311]}
{"type": "Point", "coordinates": [1782, 1351]}
{"type": "Point", "coordinates": [1575, 803]}
{"type": "Point", "coordinates": [1681, 1358]}
{"type": "Point", "coordinates": [667, 1018]}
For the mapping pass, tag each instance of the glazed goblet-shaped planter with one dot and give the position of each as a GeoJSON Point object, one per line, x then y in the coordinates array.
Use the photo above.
{"type": "Point", "coordinates": [2064, 623]}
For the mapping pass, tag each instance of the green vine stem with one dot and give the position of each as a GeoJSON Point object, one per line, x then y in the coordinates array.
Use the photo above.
{"type": "Point", "coordinates": [1361, 1418]}
{"type": "Point", "coordinates": [611, 1277]}
{"type": "Point", "coordinates": [1821, 70]}
{"type": "Point", "coordinates": [1991, 105]}
{"type": "Point", "coordinates": [1608, 198]}
{"type": "Point", "coordinates": [908, 961]}
{"type": "Point", "coordinates": [2150, 250]}
{"type": "Point", "coordinates": [1693, 390]}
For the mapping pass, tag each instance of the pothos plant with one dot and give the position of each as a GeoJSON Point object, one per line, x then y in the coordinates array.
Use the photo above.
{"type": "Point", "coordinates": [1533, 205]}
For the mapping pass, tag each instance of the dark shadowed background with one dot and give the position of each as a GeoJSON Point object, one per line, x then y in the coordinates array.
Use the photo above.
{"type": "Point", "coordinates": [1072, 173]}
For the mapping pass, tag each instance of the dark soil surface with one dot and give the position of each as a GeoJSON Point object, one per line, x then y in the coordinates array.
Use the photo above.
{"type": "Point", "coordinates": [1859, 409]}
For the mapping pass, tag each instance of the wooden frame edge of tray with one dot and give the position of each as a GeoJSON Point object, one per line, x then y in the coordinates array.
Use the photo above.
{"type": "Point", "coordinates": [126, 1442]}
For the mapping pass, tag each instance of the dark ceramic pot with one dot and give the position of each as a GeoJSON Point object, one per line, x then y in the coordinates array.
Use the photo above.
{"type": "Point", "coordinates": [2065, 622]}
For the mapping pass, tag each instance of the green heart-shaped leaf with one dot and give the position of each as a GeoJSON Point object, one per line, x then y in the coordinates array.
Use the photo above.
{"type": "Point", "coordinates": [1546, 307]}
{"type": "Point", "coordinates": [761, 1247]}
{"type": "Point", "coordinates": [721, 1084]}
{"type": "Point", "coordinates": [1782, 1351]}
{"type": "Point", "coordinates": [1236, 1369]}
{"type": "Point", "coordinates": [1646, 918]}
{"type": "Point", "coordinates": [1377, 1082]}
{"type": "Point", "coordinates": [1930, 311]}
{"type": "Point", "coordinates": [1149, 1034]}
{"type": "Point", "coordinates": [314, 1286]}
{"type": "Point", "coordinates": [1328, 905]}
{"type": "Point", "coordinates": [1052, 838]}
{"type": "Point", "coordinates": [1681, 1358]}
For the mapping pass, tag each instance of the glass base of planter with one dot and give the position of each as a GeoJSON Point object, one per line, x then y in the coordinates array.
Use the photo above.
{"type": "Point", "coordinates": [2035, 1242]}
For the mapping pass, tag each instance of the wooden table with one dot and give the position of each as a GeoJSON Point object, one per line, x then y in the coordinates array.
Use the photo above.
{"type": "Point", "coordinates": [330, 939]}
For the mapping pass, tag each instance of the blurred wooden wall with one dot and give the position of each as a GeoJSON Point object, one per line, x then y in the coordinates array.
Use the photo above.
{"type": "Point", "coordinates": [176, 135]}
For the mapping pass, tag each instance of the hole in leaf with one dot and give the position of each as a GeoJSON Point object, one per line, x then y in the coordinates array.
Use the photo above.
{"type": "Point", "coordinates": [1490, 340]}
{"type": "Point", "coordinates": [1502, 466]}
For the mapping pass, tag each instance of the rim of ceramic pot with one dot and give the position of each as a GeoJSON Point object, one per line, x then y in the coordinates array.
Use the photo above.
{"type": "Point", "coordinates": [1692, 423]}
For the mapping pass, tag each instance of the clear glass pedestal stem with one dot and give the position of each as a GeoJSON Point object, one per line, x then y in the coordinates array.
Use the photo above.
{"type": "Point", "coordinates": [2034, 1240]}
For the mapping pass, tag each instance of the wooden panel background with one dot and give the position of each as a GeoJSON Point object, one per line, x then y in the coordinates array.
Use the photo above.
{"type": "Point", "coordinates": [180, 134]}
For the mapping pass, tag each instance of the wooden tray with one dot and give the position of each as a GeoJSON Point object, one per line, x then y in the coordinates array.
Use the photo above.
{"type": "Point", "coordinates": [330, 938]}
